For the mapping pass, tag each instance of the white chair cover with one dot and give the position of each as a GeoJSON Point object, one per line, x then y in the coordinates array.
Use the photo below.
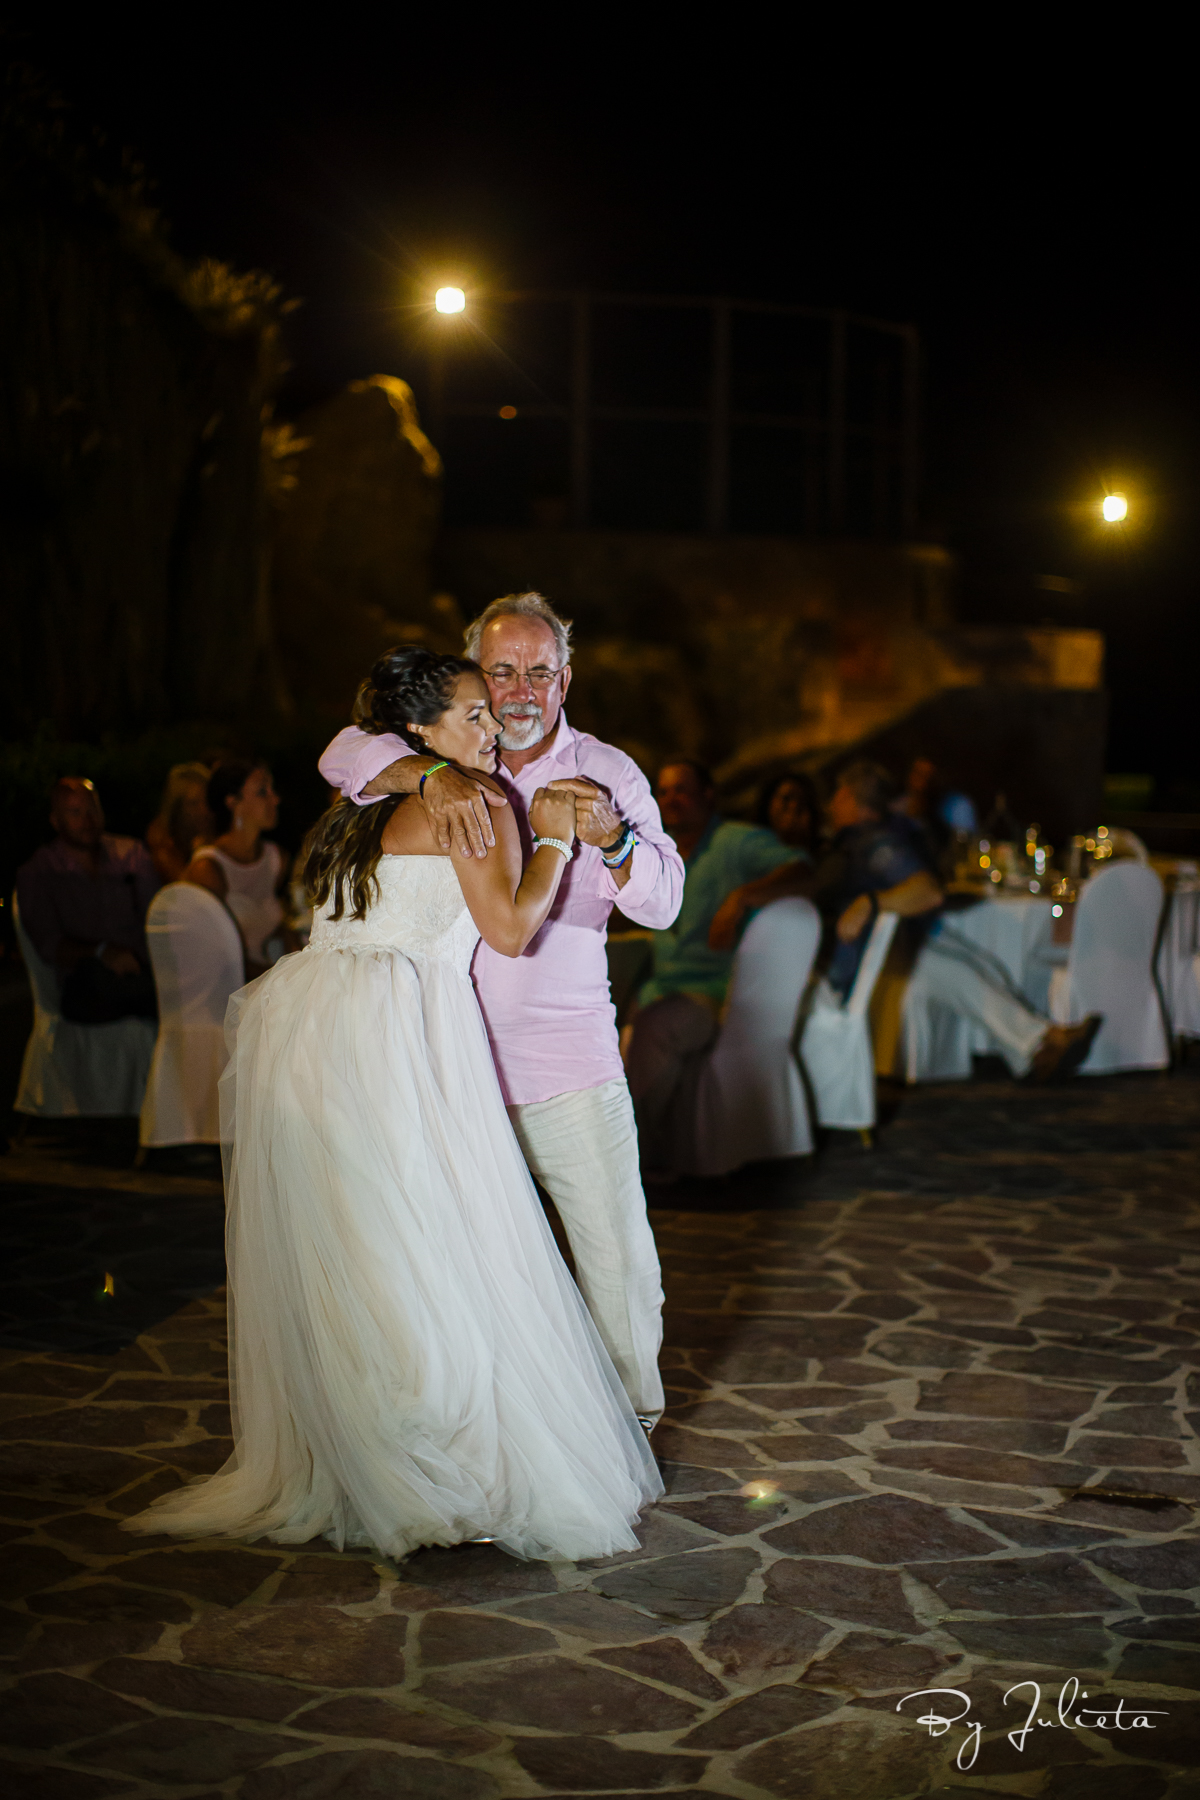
{"type": "Point", "coordinates": [937, 1044]}
{"type": "Point", "coordinates": [835, 1043]}
{"type": "Point", "coordinates": [750, 1099]}
{"type": "Point", "coordinates": [77, 1071]}
{"type": "Point", "coordinates": [1109, 971]}
{"type": "Point", "coordinates": [1178, 958]}
{"type": "Point", "coordinates": [197, 958]}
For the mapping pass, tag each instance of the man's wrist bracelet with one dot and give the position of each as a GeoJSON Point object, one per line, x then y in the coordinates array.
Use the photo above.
{"type": "Point", "coordinates": [426, 775]}
{"type": "Point", "coordinates": [547, 843]}
{"type": "Point", "coordinates": [617, 853]}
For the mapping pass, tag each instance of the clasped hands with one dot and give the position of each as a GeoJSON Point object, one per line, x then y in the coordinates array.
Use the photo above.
{"type": "Point", "coordinates": [596, 821]}
{"type": "Point", "coordinates": [458, 812]}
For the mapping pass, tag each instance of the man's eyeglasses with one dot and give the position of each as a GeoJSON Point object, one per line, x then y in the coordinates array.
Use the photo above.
{"type": "Point", "coordinates": [504, 675]}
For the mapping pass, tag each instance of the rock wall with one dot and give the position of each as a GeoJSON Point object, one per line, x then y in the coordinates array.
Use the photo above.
{"type": "Point", "coordinates": [757, 654]}
{"type": "Point", "coordinates": [1042, 746]}
{"type": "Point", "coordinates": [717, 646]}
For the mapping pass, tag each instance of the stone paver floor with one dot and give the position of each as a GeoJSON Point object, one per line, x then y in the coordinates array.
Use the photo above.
{"type": "Point", "coordinates": [931, 1424]}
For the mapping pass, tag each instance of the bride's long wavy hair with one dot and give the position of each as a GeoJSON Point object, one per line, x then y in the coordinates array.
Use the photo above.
{"type": "Point", "coordinates": [408, 685]}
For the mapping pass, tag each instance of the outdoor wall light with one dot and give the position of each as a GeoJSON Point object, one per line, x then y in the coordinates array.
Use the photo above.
{"type": "Point", "coordinates": [1114, 508]}
{"type": "Point", "coordinates": [451, 300]}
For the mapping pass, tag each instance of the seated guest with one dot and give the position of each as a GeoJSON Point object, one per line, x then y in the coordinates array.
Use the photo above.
{"type": "Point", "coordinates": [789, 807]}
{"type": "Point", "coordinates": [241, 869]}
{"type": "Point", "coordinates": [183, 823]}
{"type": "Point", "coordinates": [678, 1006]}
{"type": "Point", "coordinates": [83, 903]}
{"type": "Point", "coordinates": [876, 862]}
{"type": "Point", "coordinates": [718, 856]}
{"type": "Point", "coordinates": [936, 810]}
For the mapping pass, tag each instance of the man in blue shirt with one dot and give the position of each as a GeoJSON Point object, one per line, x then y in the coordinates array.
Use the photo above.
{"type": "Point", "coordinates": [874, 862]}
{"type": "Point", "coordinates": [680, 1004]}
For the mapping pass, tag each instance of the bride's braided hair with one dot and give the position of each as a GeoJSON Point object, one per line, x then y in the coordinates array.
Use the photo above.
{"type": "Point", "coordinates": [408, 685]}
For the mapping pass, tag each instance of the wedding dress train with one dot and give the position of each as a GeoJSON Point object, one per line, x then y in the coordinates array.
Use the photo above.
{"type": "Point", "coordinates": [410, 1362]}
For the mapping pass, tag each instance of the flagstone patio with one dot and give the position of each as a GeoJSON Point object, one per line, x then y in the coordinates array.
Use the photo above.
{"type": "Point", "coordinates": [931, 1424]}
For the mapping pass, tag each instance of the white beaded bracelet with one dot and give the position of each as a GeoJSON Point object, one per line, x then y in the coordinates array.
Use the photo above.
{"type": "Point", "coordinates": [554, 844]}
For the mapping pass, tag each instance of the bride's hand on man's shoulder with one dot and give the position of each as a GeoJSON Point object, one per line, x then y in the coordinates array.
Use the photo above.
{"type": "Point", "coordinates": [552, 814]}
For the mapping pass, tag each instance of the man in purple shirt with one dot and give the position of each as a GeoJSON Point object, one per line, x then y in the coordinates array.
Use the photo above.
{"type": "Point", "coordinates": [549, 1017]}
{"type": "Point", "coordinates": [83, 903]}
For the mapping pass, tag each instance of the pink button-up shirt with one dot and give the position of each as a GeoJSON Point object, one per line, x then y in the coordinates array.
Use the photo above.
{"type": "Point", "coordinates": [548, 1013]}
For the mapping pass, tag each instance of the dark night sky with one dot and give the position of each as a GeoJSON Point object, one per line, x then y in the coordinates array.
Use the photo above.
{"type": "Point", "coordinates": [1031, 210]}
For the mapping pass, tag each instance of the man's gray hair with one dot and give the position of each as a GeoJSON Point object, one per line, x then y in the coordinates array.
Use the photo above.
{"type": "Point", "coordinates": [870, 783]}
{"type": "Point", "coordinates": [521, 606]}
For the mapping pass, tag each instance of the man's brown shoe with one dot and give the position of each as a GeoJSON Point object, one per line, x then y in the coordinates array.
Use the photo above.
{"type": "Point", "coordinates": [1063, 1049]}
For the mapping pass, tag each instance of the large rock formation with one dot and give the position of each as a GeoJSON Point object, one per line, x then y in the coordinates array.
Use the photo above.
{"type": "Point", "coordinates": [354, 531]}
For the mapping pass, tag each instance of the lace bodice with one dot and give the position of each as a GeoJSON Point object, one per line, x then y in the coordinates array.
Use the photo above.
{"type": "Point", "coordinates": [420, 911]}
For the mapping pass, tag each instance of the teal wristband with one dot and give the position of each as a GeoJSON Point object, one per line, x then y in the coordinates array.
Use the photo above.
{"type": "Point", "coordinates": [426, 775]}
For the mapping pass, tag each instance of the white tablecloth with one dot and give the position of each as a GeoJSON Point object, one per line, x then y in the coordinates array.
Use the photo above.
{"type": "Point", "coordinates": [1011, 936]}
{"type": "Point", "coordinates": [1016, 930]}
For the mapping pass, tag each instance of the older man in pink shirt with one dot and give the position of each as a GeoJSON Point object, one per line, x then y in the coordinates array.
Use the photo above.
{"type": "Point", "coordinates": [549, 1017]}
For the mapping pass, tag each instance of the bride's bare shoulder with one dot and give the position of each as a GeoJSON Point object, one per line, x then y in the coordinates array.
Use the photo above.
{"type": "Point", "coordinates": [407, 832]}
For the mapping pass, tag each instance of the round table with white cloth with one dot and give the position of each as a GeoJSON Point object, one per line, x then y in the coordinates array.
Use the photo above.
{"type": "Point", "coordinates": [1008, 938]}
{"type": "Point", "coordinates": [1014, 931]}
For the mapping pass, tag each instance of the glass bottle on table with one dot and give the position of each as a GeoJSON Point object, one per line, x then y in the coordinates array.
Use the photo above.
{"type": "Point", "coordinates": [1001, 830]}
{"type": "Point", "coordinates": [1063, 896]}
{"type": "Point", "coordinates": [1038, 855]}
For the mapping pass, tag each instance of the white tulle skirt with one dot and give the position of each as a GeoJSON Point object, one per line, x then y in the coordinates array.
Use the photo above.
{"type": "Point", "coordinates": [410, 1361]}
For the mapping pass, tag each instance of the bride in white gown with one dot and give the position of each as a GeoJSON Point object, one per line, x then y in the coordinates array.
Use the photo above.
{"type": "Point", "coordinates": [410, 1362]}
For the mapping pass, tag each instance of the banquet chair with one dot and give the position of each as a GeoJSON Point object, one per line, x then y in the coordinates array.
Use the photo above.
{"type": "Point", "coordinates": [835, 1040]}
{"type": "Point", "coordinates": [747, 1101]}
{"type": "Point", "coordinates": [1110, 970]}
{"type": "Point", "coordinates": [71, 1070]}
{"type": "Point", "coordinates": [1178, 963]}
{"type": "Point", "coordinates": [197, 958]}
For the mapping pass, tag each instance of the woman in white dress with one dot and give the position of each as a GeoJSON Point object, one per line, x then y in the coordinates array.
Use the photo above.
{"type": "Point", "coordinates": [241, 867]}
{"type": "Point", "coordinates": [410, 1362]}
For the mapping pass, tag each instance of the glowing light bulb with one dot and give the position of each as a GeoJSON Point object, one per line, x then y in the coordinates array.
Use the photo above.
{"type": "Point", "coordinates": [453, 300]}
{"type": "Point", "coordinates": [1114, 508]}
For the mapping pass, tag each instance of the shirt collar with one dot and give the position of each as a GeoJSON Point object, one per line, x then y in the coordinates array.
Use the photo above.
{"type": "Point", "coordinates": [563, 747]}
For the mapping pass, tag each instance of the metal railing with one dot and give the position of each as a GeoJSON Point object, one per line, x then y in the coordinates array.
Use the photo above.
{"type": "Point", "coordinates": [883, 439]}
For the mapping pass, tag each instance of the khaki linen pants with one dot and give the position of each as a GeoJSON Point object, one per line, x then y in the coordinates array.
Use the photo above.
{"type": "Point", "coordinates": [583, 1149]}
